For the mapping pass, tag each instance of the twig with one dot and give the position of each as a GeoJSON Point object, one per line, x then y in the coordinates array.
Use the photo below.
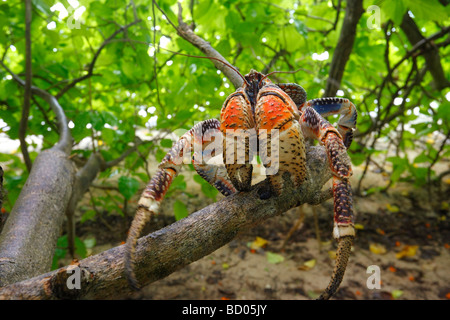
{"type": "Point", "coordinates": [96, 55]}
{"type": "Point", "coordinates": [65, 138]}
{"type": "Point", "coordinates": [184, 31]}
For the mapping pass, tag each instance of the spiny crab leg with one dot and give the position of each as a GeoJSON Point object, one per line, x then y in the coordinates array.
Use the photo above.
{"type": "Point", "coordinates": [314, 126]}
{"type": "Point", "coordinates": [329, 106]}
{"type": "Point", "coordinates": [154, 193]}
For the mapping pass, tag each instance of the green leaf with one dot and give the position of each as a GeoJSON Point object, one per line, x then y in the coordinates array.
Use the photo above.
{"type": "Point", "coordinates": [43, 6]}
{"type": "Point", "coordinates": [88, 215]}
{"type": "Point", "coordinates": [128, 186]}
{"type": "Point", "coordinates": [300, 26]}
{"type": "Point", "coordinates": [400, 165]}
{"type": "Point", "coordinates": [166, 143]}
{"type": "Point", "coordinates": [357, 158]}
{"type": "Point", "coordinates": [80, 248]}
{"type": "Point", "coordinates": [394, 10]}
{"type": "Point", "coordinates": [427, 10]}
{"type": "Point", "coordinates": [89, 243]}
{"type": "Point", "coordinates": [108, 136]}
{"type": "Point", "coordinates": [62, 242]}
{"type": "Point", "coordinates": [274, 258]}
{"type": "Point", "coordinates": [180, 210]}
{"type": "Point", "coordinates": [209, 191]}
{"type": "Point", "coordinates": [59, 254]}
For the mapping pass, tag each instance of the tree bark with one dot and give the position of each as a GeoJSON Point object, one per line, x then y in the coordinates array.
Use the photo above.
{"type": "Point", "coordinates": [186, 33]}
{"type": "Point", "coordinates": [177, 245]}
{"type": "Point", "coordinates": [431, 53]}
{"type": "Point", "coordinates": [83, 179]}
{"type": "Point", "coordinates": [28, 239]}
{"type": "Point", "coordinates": [3, 215]}
{"type": "Point", "coordinates": [344, 47]}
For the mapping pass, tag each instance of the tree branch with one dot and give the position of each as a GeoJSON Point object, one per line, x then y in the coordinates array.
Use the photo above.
{"type": "Point", "coordinates": [28, 239]}
{"type": "Point", "coordinates": [65, 139]}
{"type": "Point", "coordinates": [179, 244]}
{"type": "Point", "coordinates": [431, 53]}
{"type": "Point", "coordinates": [37, 216]}
{"type": "Point", "coordinates": [184, 31]}
{"type": "Point", "coordinates": [344, 46]}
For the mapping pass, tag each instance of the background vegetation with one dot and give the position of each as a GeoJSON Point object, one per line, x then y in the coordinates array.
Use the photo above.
{"type": "Point", "coordinates": [124, 95]}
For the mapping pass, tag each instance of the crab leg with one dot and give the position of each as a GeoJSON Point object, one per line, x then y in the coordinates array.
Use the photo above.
{"type": "Point", "coordinates": [329, 106]}
{"type": "Point", "coordinates": [237, 122]}
{"type": "Point", "coordinates": [153, 194]}
{"type": "Point", "coordinates": [276, 112]}
{"type": "Point", "coordinates": [314, 126]}
{"type": "Point", "coordinates": [295, 91]}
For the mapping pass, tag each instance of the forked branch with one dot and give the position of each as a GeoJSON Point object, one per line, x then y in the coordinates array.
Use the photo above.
{"type": "Point", "coordinates": [177, 245]}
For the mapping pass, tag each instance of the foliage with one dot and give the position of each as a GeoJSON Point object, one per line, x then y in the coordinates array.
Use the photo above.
{"type": "Point", "coordinates": [131, 83]}
{"type": "Point", "coordinates": [81, 247]}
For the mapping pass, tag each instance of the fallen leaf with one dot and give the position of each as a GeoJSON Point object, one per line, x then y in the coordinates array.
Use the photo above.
{"type": "Point", "coordinates": [377, 248]}
{"type": "Point", "coordinates": [274, 258]}
{"type": "Point", "coordinates": [380, 231]}
{"type": "Point", "coordinates": [332, 254]}
{"type": "Point", "coordinates": [313, 294]}
{"type": "Point", "coordinates": [308, 265]}
{"type": "Point", "coordinates": [392, 208]}
{"type": "Point", "coordinates": [258, 243]}
{"type": "Point", "coordinates": [225, 266]}
{"type": "Point", "coordinates": [407, 251]}
{"type": "Point", "coordinates": [358, 226]}
{"type": "Point", "coordinates": [396, 293]}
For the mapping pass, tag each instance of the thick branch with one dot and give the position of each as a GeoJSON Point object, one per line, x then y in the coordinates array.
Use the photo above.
{"type": "Point", "coordinates": [28, 239]}
{"type": "Point", "coordinates": [344, 46]}
{"type": "Point", "coordinates": [175, 246]}
{"type": "Point", "coordinates": [3, 216]}
{"type": "Point", "coordinates": [431, 53]}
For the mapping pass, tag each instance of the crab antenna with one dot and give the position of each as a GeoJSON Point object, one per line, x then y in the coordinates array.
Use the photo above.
{"type": "Point", "coordinates": [270, 73]}
{"type": "Point", "coordinates": [210, 58]}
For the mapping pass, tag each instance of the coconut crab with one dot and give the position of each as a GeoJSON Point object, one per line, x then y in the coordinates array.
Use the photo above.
{"type": "Point", "coordinates": [279, 118]}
